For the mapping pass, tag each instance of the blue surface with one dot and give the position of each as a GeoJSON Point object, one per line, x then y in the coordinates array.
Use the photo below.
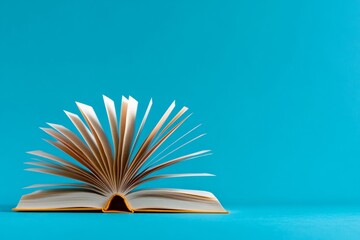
{"type": "Point", "coordinates": [243, 223]}
{"type": "Point", "coordinates": [276, 85]}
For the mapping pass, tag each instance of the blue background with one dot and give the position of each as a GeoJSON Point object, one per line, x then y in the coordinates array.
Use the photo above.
{"type": "Point", "coordinates": [276, 85]}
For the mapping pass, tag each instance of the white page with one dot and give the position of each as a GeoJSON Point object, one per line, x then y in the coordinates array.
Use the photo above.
{"type": "Point", "coordinates": [174, 199]}
{"type": "Point", "coordinates": [60, 199]}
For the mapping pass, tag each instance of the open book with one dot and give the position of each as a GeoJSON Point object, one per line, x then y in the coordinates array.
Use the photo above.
{"type": "Point", "coordinates": [108, 171]}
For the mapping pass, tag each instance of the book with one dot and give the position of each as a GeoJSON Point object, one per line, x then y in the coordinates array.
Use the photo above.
{"type": "Point", "coordinates": [107, 172]}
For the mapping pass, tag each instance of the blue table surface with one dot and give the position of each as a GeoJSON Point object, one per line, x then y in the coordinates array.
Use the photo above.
{"type": "Point", "coordinates": [243, 222]}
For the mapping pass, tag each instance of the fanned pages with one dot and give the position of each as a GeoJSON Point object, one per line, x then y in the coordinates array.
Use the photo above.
{"type": "Point", "coordinates": [108, 170]}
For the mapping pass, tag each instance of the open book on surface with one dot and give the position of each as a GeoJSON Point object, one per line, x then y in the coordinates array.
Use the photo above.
{"type": "Point", "coordinates": [109, 171]}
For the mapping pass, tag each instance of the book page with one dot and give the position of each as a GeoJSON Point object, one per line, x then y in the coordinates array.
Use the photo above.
{"type": "Point", "coordinates": [61, 199]}
{"type": "Point", "coordinates": [174, 200]}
